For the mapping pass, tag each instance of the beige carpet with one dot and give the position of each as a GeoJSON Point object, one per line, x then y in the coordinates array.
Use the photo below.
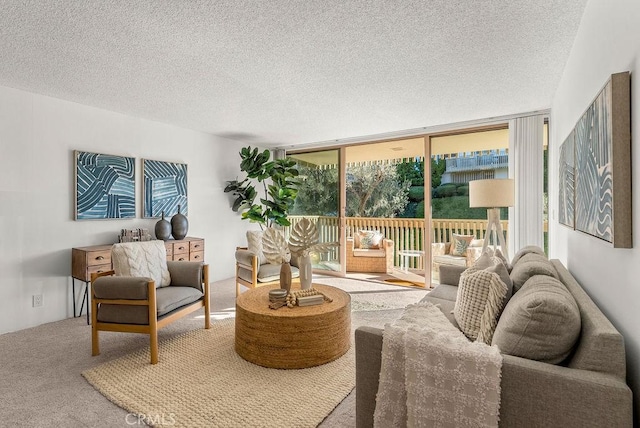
{"type": "Point", "coordinates": [201, 382]}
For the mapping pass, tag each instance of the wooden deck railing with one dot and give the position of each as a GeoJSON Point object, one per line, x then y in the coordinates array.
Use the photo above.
{"type": "Point", "coordinates": [407, 233]}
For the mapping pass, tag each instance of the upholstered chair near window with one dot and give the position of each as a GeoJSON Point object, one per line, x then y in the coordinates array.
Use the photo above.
{"type": "Point", "coordinates": [144, 292]}
{"type": "Point", "coordinates": [252, 267]}
{"type": "Point", "coordinates": [369, 251]}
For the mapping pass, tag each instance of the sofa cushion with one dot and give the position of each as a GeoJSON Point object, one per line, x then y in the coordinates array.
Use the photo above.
{"type": "Point", "coordinates": [142, 259]}
{"type": "Point", "coordinates": [479, 301]}
{"type": "Point", "coordinates": [445, 291]}
{"type": "Point", "coordinates": [459, 244]}
{"type": "Point", "coordinates": [445, 305]}
{"type": "Point", "coordinates": [527, 250]}
{"type": "Point", "coordinates": [167, 299]}
{"type": "Point", "coordinates": [528, 266]}
{"type": "Point", "coordinates": [541, 322]}
{"type": "Point", "coordinates": [448, 259]}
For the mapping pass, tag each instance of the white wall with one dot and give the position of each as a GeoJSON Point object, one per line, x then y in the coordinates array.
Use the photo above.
{"type": "Point", "coordinates": [608, 41]}
{"type": "Point", "coordinates": [37, 137]}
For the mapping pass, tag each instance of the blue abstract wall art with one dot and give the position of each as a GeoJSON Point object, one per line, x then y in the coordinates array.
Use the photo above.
{"type": "Point", "coordinates": [105, 186]}
{"type": "Point", "coordinates": [164, 188]}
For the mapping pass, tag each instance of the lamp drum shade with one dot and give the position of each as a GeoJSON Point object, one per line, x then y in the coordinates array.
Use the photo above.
{"type": "Point", "coordinates": [491, 193]}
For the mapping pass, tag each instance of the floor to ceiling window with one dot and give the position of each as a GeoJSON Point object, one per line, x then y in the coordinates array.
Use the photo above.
{"type": "Point", "coordinates": [455, 161]}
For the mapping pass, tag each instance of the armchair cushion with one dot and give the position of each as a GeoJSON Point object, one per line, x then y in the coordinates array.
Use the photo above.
{"type": "Point", "coordinates": [121, 287]}
{"type": "Point", "coordinates": [167, 299]}
{"type": "Point", "coordinates": [245, 257]}
{"type": "Point", "coordinates": [186, 274]}
{"type": "Point", "coordinates": [146, 259]}
{"type": "Point", "coordinates": [362, 252]}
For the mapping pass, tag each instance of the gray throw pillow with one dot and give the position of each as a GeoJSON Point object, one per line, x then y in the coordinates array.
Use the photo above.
{"type": "Point", "coordinates": [541, 322]}
{"type": "Point", "coordinates": [528, 266]}
{"type": "Point", "coordinates": [526, 250]}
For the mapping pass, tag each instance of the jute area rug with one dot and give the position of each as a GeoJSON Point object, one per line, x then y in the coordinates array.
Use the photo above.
{"type": "Point", "coordinates": [201, 382]}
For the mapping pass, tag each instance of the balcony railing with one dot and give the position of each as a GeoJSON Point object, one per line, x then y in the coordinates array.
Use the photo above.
{"type": "Point", "coordinates": [407, 233]}
{"type": "Point", "coordinates": [481, 162]}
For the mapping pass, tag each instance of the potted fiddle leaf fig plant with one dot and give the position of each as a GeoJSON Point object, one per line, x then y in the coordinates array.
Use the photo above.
{"type": "Point", "coordinates": [280, 183]}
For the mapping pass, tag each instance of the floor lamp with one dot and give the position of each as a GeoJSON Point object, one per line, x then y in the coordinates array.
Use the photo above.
{"type": "Point", "coordinates": [492, 194]}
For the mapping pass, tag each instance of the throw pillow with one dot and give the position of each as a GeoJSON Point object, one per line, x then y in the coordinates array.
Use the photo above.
{"type": "Point", "coordinates": [370, 239]}
{"type": "Point", "coordinates": [528, 266]}
{"type": "Point", "coordinates": [478, 304]}
{"type": "Point", "coordinates": [526, 250]}
{"type": "Point", "coordinates": [541, 322]}
{"type": "Point", "coordinates": [254, 244]}
{"type": "Point", "coordinates": [142, 259]}
{"type": "Point", "coordinates": [459, 244]}
{"type": "Point", "coordinates": [494, 264]}
{"type": "Point", "coordinates": [498, 254]}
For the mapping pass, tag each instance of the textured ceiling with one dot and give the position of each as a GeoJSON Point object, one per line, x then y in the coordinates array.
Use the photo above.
{"type": "Point", "coordinates": [287, 72]}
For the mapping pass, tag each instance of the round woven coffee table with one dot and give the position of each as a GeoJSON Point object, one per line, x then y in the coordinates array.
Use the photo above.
{"type": "Point", "coordinates": [292, 338]}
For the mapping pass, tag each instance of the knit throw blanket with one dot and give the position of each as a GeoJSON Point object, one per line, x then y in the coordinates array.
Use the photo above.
{"type": "Point", "coordinates": [433, 376]}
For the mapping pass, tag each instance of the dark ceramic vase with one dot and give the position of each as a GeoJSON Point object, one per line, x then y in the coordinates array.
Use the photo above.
{"type": "Point", "coordinates": [163, 229]}
{"type": "Point", "coordinates": [179, 225]}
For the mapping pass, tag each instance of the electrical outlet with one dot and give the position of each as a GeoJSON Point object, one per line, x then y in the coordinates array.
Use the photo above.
{"type": "Point", "coordinates": [37, 300]}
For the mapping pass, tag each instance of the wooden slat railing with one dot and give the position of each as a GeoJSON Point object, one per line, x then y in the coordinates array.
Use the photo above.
{"type": "Point", "coordinates": [407, 233]}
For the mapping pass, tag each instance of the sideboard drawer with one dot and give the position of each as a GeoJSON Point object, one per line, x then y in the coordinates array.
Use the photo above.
{"type": "Point", "coordinates": [180, 247]}
{"type": "Point", "coordinates": [196, 256]}
{"type": "Point", "coordinates": [197, 245]}
{"type": "Point", "coordinates": [95, 258]}
{"type": "Point", "coordinates": [97, 269]}
{"type": "Point", "coordinates": [181, 257]}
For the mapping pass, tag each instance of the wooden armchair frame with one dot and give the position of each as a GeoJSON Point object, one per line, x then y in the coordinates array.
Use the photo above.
{"type": "Point", "coordinates": [154, 324]}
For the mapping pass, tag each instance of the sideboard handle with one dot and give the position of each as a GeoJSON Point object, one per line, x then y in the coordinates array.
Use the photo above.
{"type": "Point", "coordinates": [180, 248]}
{"type": "Point", "coordinates": [100, 258]}
{"type": "Point", "coordinates": [197, 246]}
{"type": "Point", "coordinates": [181, 259]}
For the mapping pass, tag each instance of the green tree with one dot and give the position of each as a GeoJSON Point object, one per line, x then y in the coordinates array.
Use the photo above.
{"type": "Point", "coordinates": [411, 170]}
{"type": "Point", "coordinates": [318, 193]}
{"type": "Point", "coordinates": [375, 191]}
{"type": "Point", "coordinates": [437, 169]}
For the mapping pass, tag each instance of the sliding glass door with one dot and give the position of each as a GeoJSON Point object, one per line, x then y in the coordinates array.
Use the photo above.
{"type": "Point", "coordinates": [319, 201]}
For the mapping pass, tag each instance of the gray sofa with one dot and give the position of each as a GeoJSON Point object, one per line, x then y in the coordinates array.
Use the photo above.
{"type": "Point", "coordinates": [587, 389]}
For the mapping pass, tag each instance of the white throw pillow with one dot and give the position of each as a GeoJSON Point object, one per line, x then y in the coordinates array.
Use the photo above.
{"type": "Point", "coordinates": [142, 259]}
{"type": "Point", "coordinates": [254, 244]}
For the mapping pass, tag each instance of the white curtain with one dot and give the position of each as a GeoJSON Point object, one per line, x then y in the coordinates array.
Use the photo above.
{"type": "Point", "coordinates": [526, 167]}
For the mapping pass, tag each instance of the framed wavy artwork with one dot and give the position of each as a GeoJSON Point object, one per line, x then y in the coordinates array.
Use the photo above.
{"type": "Point", "coordinates": [104, 186]}
{"type": "Point", "coordinates": [164, 187]}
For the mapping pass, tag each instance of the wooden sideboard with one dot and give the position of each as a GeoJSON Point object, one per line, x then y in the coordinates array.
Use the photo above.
{"type": "Point", "coordinates": [97, 258]}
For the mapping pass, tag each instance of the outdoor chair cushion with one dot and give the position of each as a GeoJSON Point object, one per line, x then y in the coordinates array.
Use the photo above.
{"type": "Point", "coordinates": [361, 252]}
